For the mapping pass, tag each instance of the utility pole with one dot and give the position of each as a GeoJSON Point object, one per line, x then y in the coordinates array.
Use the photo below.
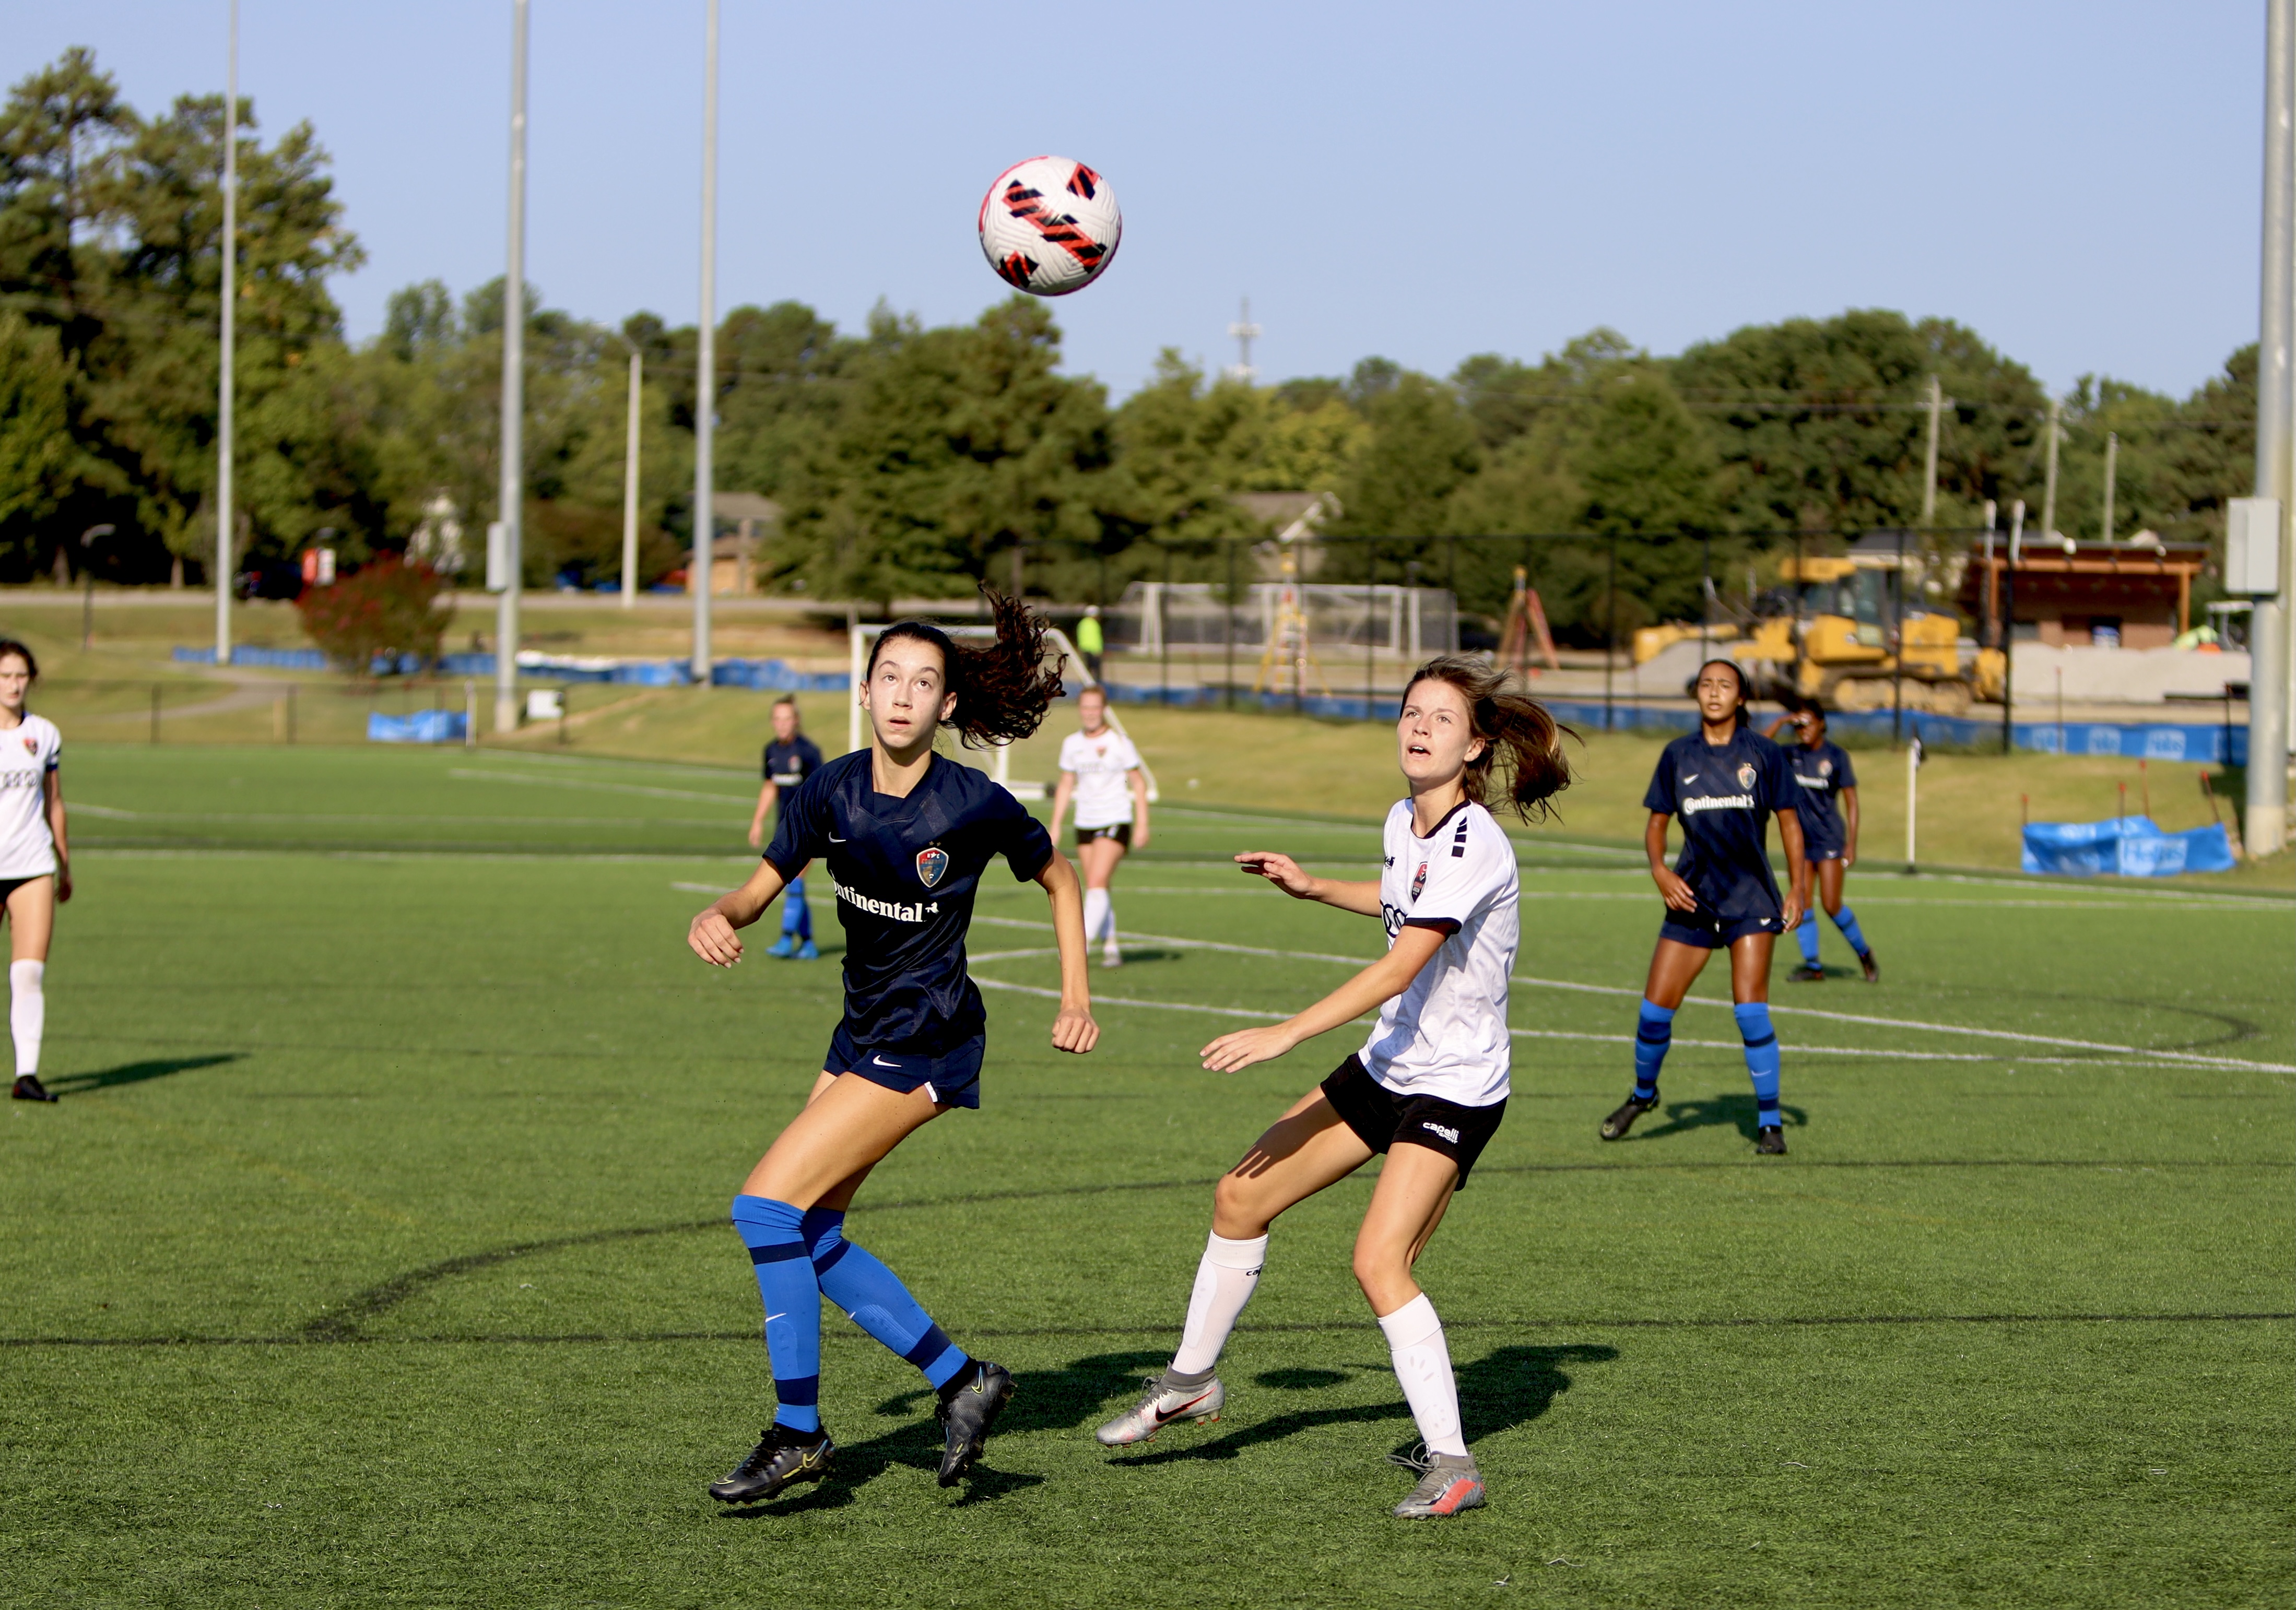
{"type": "Point", "coordinates": [226, 493]}
{"type": "Point", "coordinates": [2266, 820]}
{"type": "Point", "coordinates": [1244, 332]}
{"type": "Point", "coordinates": [2111, 476]}
{"type": "Point", "coordinates": [510, 497]}
{"type": "Point", "coordinates": [2049, 482]}
{"type": "Point", "coordinates": [630, 488]}
{"type": "Point", "coordinates": [698, 575]}
{"type": "Point", "coordinates": [1929, 460]}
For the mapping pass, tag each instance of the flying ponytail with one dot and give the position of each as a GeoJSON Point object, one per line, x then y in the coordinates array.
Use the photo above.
{"type": "Point", "coordinates": [1523, 744]}
{"type": "Point", "coordinates": [1004, 689]}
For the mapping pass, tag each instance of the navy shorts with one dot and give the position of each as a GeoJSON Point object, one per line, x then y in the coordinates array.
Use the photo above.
{"type": "Point", "coordinates": [953, 1077]}
{"type": "Point", "coordinates": [1381, 1117]}
{"type": "Point", "coordinates": [1708, 929]}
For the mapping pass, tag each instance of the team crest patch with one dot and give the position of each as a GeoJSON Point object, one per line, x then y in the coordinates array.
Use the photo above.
{"type": "Point", "coordinates": [1419, 881]}
{"type": "Point", "coordinates": [1746, 775]}
{"type": "Point", "coordinates": [1825, 768]}
{"type": "Point", "coordinates": [32, 744]}
{"type": "Point", "coordinates": [931, 863]}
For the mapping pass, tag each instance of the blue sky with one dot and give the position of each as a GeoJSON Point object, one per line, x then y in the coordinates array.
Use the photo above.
{"type": "Point", "coordinates": [2077, 181]}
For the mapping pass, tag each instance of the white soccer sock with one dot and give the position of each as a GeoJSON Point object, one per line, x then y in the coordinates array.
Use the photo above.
{"type": "Point", "coordinates": [1096, 913]}
{"type": "Point", "coordinates": [28, 1012]}
{"type": "Point", "coordinates": [1226, 1280]}
{"type": "Point", "coordinates": [1108, 921]}
{"type": "Point", "coordinates": [1423, 1363]}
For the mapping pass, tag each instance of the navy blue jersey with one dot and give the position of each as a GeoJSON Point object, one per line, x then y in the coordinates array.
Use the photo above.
{"type": "Point", "coordinates": [905, 870]}
{"type": "Point", "coordinates": [1820, 773]}
{"type": "Point", "coordinates": [1724, 796]}
{"type": "Point", "coordinates": [788, 764]}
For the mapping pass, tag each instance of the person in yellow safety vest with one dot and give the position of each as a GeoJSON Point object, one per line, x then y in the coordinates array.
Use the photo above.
{"type": "Point", "coordinates": [1088, 640]}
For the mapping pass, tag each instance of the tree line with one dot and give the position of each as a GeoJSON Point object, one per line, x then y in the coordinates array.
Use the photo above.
{"type": "Point", "coordinates": [913, 460]}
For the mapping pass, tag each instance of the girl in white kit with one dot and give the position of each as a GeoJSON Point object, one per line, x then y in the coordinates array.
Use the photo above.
{"type": "Point", "coordinates": [1101, 774]}
{"type": "Point", "coordinates": [35, 867]}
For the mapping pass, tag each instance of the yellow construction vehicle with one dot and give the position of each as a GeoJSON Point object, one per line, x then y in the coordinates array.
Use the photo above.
{"type": "Point", "coordinates": [1843, 631]}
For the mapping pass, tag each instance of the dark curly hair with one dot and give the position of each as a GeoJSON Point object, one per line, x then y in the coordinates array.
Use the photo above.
{"type": "Point", "coordinates": [1523, 744]}
{"type": "Point", "coordinates": [1003, 688]}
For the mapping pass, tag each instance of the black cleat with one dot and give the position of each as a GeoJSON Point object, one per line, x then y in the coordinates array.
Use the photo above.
{"type": "Point", "coordinates": [1808, 972]}
{"type": "Point", "coordinates": [1770, 1142]}
{"type": "Point", "coordinates": [782, 1459]}
{"type": "Point", "coordinates": [969, 1406]}
{"type": "Point", "coordinates": [1619, 1123]}
{"type": "Point", "coordinates": [1873, 969]}
{"type": "Point", "coordinates": [28, 1087]}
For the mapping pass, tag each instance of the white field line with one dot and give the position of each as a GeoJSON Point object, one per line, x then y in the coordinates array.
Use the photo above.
{"type": "Point", "coordinates": [600, 787]}
{"type": "Point", "coordinates": [2189, 1058]}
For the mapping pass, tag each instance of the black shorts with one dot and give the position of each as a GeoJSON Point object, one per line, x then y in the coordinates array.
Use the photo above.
{"type": "Point", "coordinates": [1709, 929]}
{"type": "Point", "coordinates": [1380, 1117]}
{"type": "Point", "coordinates": [1121, 832]}
{"type": "Point", "coordinates": [953, 1075]}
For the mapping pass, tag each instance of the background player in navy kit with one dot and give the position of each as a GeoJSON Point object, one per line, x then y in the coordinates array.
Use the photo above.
{"type": "Point", "coordinates": [1724, 780]}
{"type": "Point", "coordinates": [907, 835]}
{"type": "Point", "coordinates": [790, 759]}
{"type": "Point", "coordinates": [1829, 837]}
{"type": "Point", "coordinates": [1429, 1087]}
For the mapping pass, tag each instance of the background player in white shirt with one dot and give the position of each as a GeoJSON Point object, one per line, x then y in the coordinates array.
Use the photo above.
{"type": "Point", "coordinates": [35, 866]}
{"type": "Point", "coordinates": [1100, 773]}
{"type": "Point", "coordinates": [1430, 1085]}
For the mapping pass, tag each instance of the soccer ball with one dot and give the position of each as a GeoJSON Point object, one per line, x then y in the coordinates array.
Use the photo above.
{"type": "Point", "coordinates": [1049, 225]}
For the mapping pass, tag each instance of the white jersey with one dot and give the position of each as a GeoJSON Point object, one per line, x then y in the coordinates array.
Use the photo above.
{"type": "Point", "coordinates": [1102, 765]}
{"type": "Point", "coordinates": [1447, 1035]}
{"type": "Point", "coordinates": [28, 752]}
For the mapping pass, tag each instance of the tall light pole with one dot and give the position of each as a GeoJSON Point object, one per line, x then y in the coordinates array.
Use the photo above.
{"type": "Point", "coordinates": [2267, 821]}
{"type": "Point", "coordinates": [2111, 478]}
{"type": "Point", "coordinates": [226, 496]}
{"type": "Point", "coordinates": [1928, 459]}
{"type": "Point", "coordinates": [2049, 476]}
{"type": "Point", "coordinates": [630, 488]}
{"type": "Point", "coordinates": [705, 378]}
{"type": "Point", "coordinates": [511, 497]}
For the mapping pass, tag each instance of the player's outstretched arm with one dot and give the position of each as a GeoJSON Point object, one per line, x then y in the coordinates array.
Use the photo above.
{"type": "Point", "coordinates": [1073, 1029]}
{"type": "Point", "coordinates": [1674, 889]}
{"type": "Point", "coordinates": [1366, 992]}
{"type": "Point", "coordinates": [1286, 874]}
{"type": "Point", "coordinates": [1797, 867]}
{"type": "Point", "coordinates": [711, 934]}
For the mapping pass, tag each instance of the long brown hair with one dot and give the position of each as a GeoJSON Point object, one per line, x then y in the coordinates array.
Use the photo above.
{"type": "Point", "coordinates": [1523, 744]}
{"type": "Point", "coordinates": [1003, 688]}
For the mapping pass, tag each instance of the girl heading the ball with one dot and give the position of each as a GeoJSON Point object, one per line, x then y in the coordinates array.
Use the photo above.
{"type": "Point", "coordinates": [1428, 1086]}
{"type": "Point", "coordinates": [1725, 781]}
{"type": "Point", "coordinates": [907, 835]}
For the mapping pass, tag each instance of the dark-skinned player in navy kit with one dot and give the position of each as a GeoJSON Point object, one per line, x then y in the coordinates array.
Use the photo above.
{"type": "Point", "coordinates": [907, 835]}
{"type": "Point", "coordinates": [1829, 837]}
{"type": "Point", "coordinates": [1723, 781]}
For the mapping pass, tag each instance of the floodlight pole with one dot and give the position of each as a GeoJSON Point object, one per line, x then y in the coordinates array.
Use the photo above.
{"type": "Point", "coordinates": [630, 488]}
{"type": "Point", "coordinates": [705, 397]}
{"type": "Point", "coordinates": [2111, 475]}
{"type": "Point", "coordinates": [226, 493]}
{"type": "Point", "coordinates": [1929, 461]}
{"type": "Point", "coordinates": [2049, 475]}
{"type": "Point", "coordinates": [2267, 818]}
{"type": "Point", "coordinates": [510, 497]}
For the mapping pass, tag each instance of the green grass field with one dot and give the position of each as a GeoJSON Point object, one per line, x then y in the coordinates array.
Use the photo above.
{"type": "Point", "coordinates": [376, 1254]}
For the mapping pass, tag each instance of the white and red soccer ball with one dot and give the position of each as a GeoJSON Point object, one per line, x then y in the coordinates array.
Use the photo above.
{"type": "Point", "coordinates": [1049, 226]}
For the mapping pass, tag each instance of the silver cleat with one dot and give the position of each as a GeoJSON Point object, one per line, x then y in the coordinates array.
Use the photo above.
{"type": "Point", "coordinates": [1449, 1485]}
{"type": "Point", "coordinates": [1159, 1406]}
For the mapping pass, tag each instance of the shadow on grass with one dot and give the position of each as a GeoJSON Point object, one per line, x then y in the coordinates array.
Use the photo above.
{"type": "Point", "coordinates": [136, 1073]}
{"type": "Point", "coordinates": [1739, 1110]}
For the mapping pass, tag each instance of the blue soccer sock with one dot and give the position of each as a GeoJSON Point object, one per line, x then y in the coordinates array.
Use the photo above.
{"type": "Point", "coordinates": [874, 1298]}
{"type": "Point", "coordinates": [1805, 935]}
{"type": "Point", "coordinates": [796, 917]}
{"type": "Point", "coordinates": [1761, 1058]}
{"type": "Point", "coordinates": [1652, 1034]}
{"type": "Point", "coordinates": [1846, 920]}
{"type": "Point", "coordinates": [771, 1230]}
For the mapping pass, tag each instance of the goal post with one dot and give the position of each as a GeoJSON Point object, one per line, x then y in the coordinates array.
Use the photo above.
{"type": "Point", "coordinates": [857, 660]}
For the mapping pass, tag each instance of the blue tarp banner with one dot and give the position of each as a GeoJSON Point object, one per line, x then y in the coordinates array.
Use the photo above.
{"type": "Point", "coordinates": [424, 726]}
{"type": "Point", "coordinates": [2127, 847]}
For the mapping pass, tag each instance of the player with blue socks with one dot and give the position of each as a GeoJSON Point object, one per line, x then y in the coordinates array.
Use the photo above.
{"type": "Point", "coordinates": [907, 835]}
{"type": "Point", "coordinates": [1829, 837]}
{"type": "Point", "coordinates": [1725, 781]}
{"type": "Point", "coordinates": [791, 758]}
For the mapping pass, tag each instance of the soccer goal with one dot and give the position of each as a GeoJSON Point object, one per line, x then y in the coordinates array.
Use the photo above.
{"type": "Point", "coordinates": [862, 634]}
